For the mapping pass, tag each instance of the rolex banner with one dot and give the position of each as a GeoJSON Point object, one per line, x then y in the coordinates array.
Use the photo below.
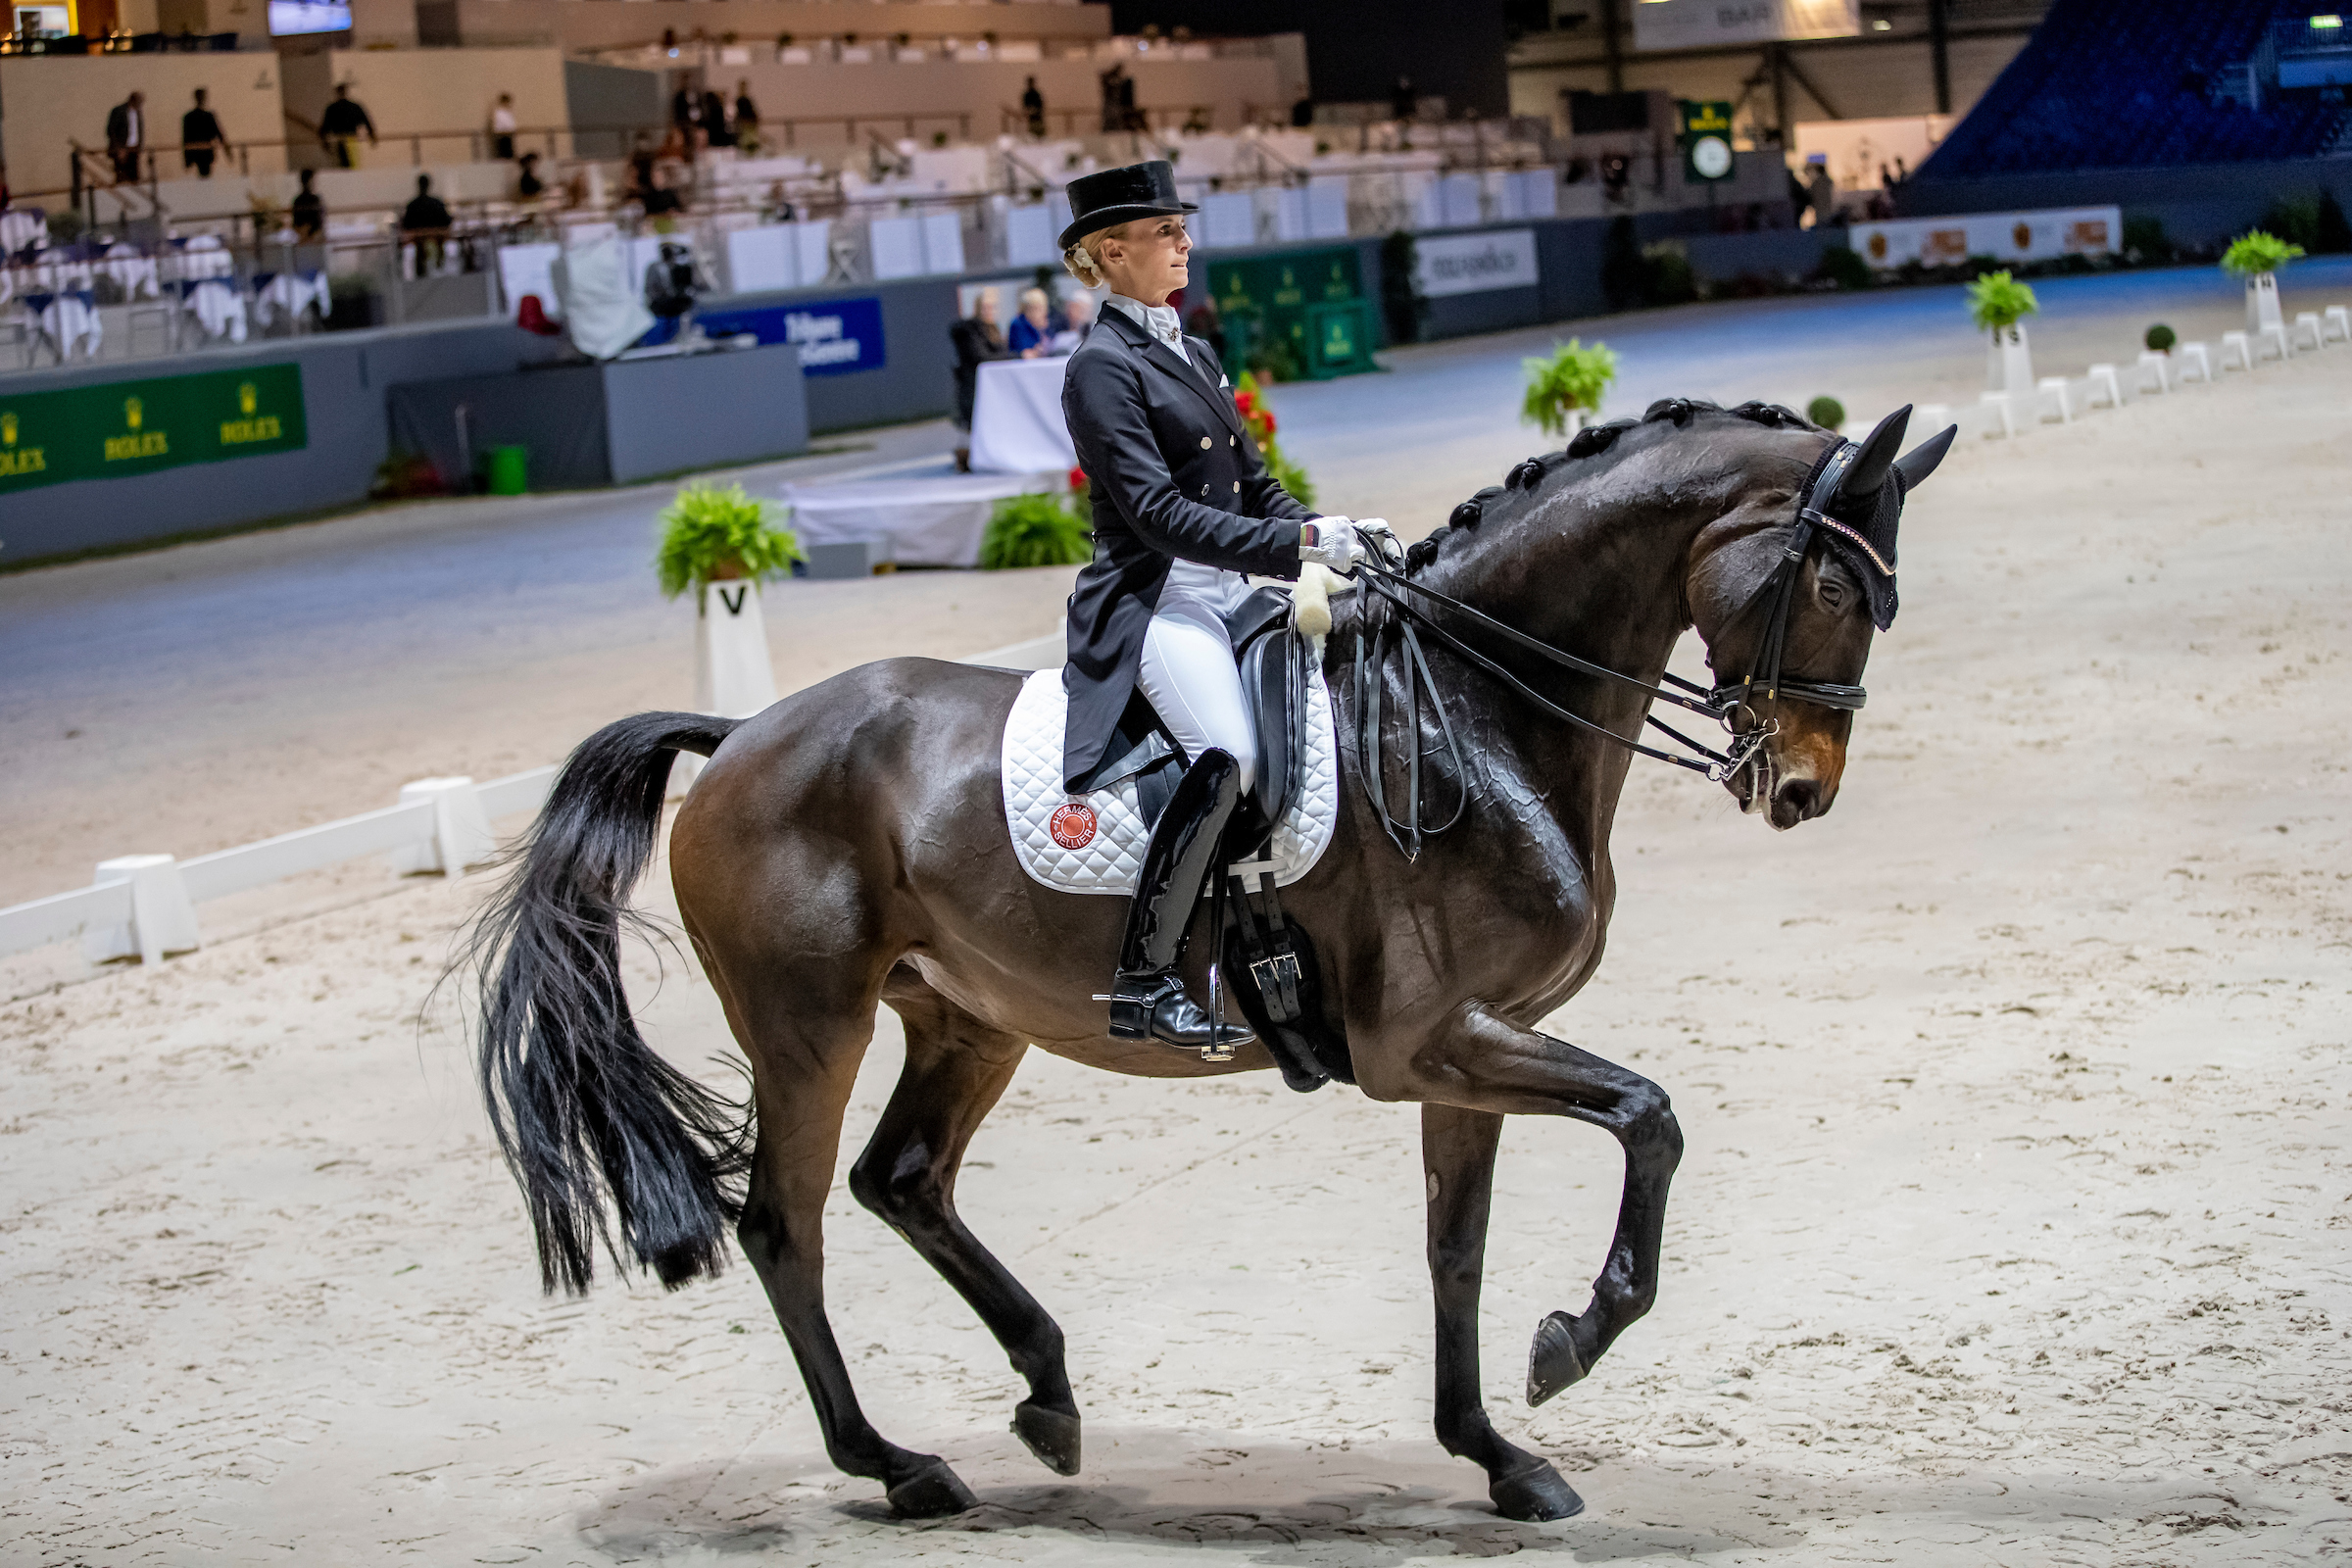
{"type": "Point", "coordinates": [127, 427]}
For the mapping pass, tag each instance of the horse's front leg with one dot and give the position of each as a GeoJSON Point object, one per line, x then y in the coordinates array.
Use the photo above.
{"type": "Point", "coordinates": [1476, 1062]}
{"type": "Point", "coordinates": [1457, 1151]}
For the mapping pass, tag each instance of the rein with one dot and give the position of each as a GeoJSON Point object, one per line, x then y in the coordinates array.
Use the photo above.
{"type": "Point", "coordinates": [1721, 703]}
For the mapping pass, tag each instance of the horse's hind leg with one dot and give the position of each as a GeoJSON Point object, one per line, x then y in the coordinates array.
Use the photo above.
{"type": "Point", "coordinates": [956, 1069]}
{"type": "Point", "coordinates": [1457, 1151]}
{"type": "Point", "coordinates": [803, 1074]}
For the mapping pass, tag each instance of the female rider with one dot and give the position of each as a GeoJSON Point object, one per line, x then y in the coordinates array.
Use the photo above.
{"type": "Point", "coordinates": [1184, 510]}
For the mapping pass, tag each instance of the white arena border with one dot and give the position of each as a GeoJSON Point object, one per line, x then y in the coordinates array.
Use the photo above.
{"type": "Point", "coordinates": [145, 904]}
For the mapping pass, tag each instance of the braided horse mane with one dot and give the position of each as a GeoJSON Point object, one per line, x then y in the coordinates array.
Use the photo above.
{"type": "Point", "coordinates": [1520, 486]}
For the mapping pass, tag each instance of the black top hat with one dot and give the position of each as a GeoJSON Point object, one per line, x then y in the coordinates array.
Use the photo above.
{"type": "Point", "coordinates": [1110, 197]}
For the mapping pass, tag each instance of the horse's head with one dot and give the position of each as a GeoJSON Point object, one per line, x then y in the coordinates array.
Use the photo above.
{"type": "Point", "coordinates": [1791, 605]}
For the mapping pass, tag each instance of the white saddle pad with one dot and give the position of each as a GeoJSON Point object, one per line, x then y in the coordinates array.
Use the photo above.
{"type": "Point", "coordinates": [1094, 843]}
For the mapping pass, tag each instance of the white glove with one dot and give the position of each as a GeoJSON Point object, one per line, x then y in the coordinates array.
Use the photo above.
{"type": "Point", "coordinates": [1380, 543]}
{"type": "Point", "coordinates": [1336, 545]}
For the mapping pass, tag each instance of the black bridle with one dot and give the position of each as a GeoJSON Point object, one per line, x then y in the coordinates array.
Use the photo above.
{"type": "Point", "coordinates": [1723, 704]}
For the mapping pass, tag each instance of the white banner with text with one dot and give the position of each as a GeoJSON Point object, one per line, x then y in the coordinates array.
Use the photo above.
{"type": "Point", "coordinates": [1470, 264]}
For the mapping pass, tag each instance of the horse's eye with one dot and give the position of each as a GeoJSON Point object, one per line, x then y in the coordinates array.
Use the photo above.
{"type": "Point", "coordinates": [1833, 594]}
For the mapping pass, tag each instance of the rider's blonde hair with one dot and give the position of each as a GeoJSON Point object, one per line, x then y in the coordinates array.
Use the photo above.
{"type": "Point", "coordinates": [1084, 259]}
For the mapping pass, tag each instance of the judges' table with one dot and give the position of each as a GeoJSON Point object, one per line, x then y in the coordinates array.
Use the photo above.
{"type": "Point", "coordinates": [933, 520]}
{"type": "Point", "coordinates": [1017, 425]}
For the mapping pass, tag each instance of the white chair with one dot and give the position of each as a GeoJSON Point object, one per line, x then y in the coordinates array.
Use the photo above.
{"type": "Point", "coordinates": [2106, 388]}
{"type": "Point", "coordinates": [2273, 337]}
{"type": "Point", "coordinates": [2339, 323]}
{"type": "Point", "coordinates": [2195, 364]}
{"type": "Point", "coordinates": [2308, 321]}
{"type": "Point", "coordinates": [2052, 389]}
{"type": "Point", "coordinates": [161, 313]}
{"type": "Point", "coordinates": [2154, 363]}
{"type": "Point", "coordinates": [2233, 344]}
{"type": "Point", "coordinates": [1998, 402]}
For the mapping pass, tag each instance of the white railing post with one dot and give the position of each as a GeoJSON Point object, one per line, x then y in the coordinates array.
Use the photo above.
{"type": "Point", "coordinates": [162, 920]}
{"type": "Point", "coordinates": [462, 835]}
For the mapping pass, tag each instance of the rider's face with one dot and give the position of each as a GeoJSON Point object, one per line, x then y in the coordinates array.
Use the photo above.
{"type": "Point", "coordinates": [1149, 261]}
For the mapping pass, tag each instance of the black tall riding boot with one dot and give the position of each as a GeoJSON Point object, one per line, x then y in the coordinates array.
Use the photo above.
{"type": "Point", "coordinates": [1148, 999]}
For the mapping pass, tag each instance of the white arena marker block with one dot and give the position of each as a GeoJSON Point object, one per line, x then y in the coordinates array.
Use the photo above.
{"type": "Point", "coordinates": [2307, 323]}
{"type": "Point", "coordinates": [2338, 322]}
{"type": "Point", "coordinates": [2106, 389]}
{"type": "Point", "coordinates": [2052, 389]}
{"type": "Point", "coordinates": [2196, 364]}
{"type": "Point", "coordinates": [1998, 404]}
{"type": "Point", "coordinates": [2156, 365]}
{"type": "Point", "coordinates": [462, 835]}
{"type": "Point", "coordinates": [163, 919]}
{"type": "Point", "coordinates": [2274, 337]}
{"type": "Point", "coordinates": [2233, 347]}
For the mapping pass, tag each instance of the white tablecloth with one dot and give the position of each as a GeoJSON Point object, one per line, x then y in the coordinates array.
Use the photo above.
{"type": "Point", "coordinates": [216, 303]}
{"type": "Point", "coordinates": [132, 270]}
{"type": "Point", "coordinates": [933, 522]}
{"type": "Point", "coordinates": [20, 228]}
{"type": "Point", "coordinates": [1017, 425]}
{"type": "Point", "coordinates": [289, 294]}
{"type": "Point", "coordinates": [67, 321]}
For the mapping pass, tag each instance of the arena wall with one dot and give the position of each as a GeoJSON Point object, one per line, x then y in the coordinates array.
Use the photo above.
{"type": "Point", "coordinates": [45, 100]}
{"type": "Point", "coordinates": [344, 378]}
{"type": "Point", "coordinates": [412, 90]}
{"type": "Point", "coordinates": [2198, 202]}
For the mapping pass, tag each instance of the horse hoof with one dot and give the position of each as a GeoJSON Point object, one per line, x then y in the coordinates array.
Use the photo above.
{"type": "Point", "coordinates": [934, 1493]}
{"type": "Point", "coordinates": [1552, 1361]}
{"type": "Point", "coordinates": [1535, 1493]}
{"type": "Point", "coordinates": [1049, 1435]}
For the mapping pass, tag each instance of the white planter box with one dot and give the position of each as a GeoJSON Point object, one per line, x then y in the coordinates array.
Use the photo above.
{"type": "Point", "coordinates": [2262, 303]}
{"type": "Point", "coordinates": [733, 676]}
{"type": "Point", "coordinates": [2009, 361]}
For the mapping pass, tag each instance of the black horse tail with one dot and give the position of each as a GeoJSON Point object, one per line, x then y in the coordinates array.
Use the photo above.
{"type": "Point", "coordinates": [594, 1125]}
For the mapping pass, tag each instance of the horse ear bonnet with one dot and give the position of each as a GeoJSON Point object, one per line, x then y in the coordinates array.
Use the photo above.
{"type": "Point", "coordinates": [1871, 511]}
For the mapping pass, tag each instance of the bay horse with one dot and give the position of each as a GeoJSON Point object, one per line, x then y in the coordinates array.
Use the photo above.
{"type": "Point", "coordinates": [846, 849]}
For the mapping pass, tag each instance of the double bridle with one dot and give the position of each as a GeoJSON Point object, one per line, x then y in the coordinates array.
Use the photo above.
{"type": "Point", "coordinates": [1723, 704]}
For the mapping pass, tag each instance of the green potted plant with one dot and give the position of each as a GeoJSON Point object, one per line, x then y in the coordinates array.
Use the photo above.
{"type": "Point", "coordinates": [1999, 305]}
{"type": "Point", "coordinates": [2256, 257]}
{"type": "Point", "coordinates": [722, 545]}
{"type": "Point", "coordinates": [1564, 387]}
{"type": "Point", "coordinates": [1036, 531]}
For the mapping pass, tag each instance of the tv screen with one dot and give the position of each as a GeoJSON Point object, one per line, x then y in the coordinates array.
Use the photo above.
{"type": "Point", "coordinates": [308, 16]}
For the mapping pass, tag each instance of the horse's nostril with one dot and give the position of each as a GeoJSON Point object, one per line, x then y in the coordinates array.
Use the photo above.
{"type": "Point", "coordinates": [1799, 799]}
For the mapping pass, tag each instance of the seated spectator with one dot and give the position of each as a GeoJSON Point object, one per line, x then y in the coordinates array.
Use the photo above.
{"type": "Point", "coordinates": [641, 165]}
{"type": "Point", "coordinates": [309, 213]}
{"type": "Point", "coordinates": [660, 201]}
{"type": "Point", "coordinates": [1031, 330]}
{"type": "Point", "coordinates": [976, 341]}
{"type": "Point", "coordinates": [528, 183]}
{"type": "Point", "coordinates": [1079, 312]}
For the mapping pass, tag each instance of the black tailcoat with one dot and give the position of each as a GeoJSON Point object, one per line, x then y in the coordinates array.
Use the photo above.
{"type": "Point", "coordinates": [1175, 475]}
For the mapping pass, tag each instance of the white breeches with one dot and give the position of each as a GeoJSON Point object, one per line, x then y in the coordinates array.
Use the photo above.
{"type": "Point", "coordinates": [1188, 675]}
